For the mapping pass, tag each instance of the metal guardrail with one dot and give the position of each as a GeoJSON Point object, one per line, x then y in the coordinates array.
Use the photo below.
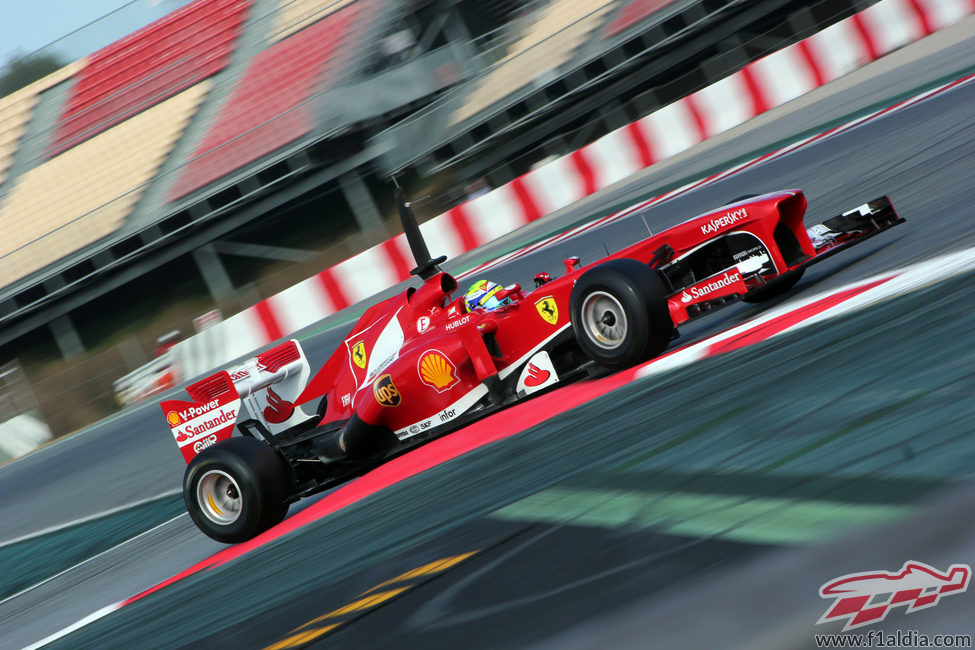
{"type": "Point", "coordinates": [430, 124]}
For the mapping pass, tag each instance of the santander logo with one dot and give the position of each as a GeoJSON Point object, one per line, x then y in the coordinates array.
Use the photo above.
{"type": "Point", "coordinates": [277, 410]}
{"type": "Point", "coordinates": [536, 376]}
{"type": "Point", "coordinates": [704, 290]}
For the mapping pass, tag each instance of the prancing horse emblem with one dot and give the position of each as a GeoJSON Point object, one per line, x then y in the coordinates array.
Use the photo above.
{"type": "Point", "coordinates": [548, 310]}
{"type": "Point", "coordinates": [359, 354]}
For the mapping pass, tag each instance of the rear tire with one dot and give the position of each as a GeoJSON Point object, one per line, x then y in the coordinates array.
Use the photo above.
{"type": "Point", "coordinates": [237, 489]}
{"type": "Point", "coordinates": [619, 313]}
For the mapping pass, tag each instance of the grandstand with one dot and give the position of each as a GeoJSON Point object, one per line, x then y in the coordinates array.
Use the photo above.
{"type": "Point", "coordinates": [601, 66]}
{"type": "Point", "coordinates": [226, 112]}
{"type": "Point", "coordinates": [16, 110]}
{"type": "Point", "coordinates": [269, 107]}
{"type": "Point", "coordinates": [147, 67]}
{"type": "Point", "coordinates": [85, 194]}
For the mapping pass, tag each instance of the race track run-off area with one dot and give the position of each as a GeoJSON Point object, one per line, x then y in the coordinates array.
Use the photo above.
{"type": "Point", "coordinates": [763, 429]}
{"type": "Point", "coordinates": [673, 501]}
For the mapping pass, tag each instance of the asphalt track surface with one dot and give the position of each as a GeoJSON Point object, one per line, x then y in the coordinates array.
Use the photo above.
{"type": "Point", "coordinates": [517, 542]}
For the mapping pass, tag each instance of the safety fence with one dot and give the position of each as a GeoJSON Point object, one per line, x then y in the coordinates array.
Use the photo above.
{"type": "Point", "coordinates": [759, 87]}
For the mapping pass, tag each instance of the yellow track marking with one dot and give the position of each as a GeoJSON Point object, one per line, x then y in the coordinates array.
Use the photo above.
{"type": "Point", "coordinates": [355, 606]}
{"type": "Point", "coordinates": [302, 637]}
{"type": "Point", "coordinates": [426, 569]}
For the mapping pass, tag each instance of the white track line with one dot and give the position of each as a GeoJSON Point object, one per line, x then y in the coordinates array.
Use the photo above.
{"type": "Point", "coordinates": [898, 282]}
{"type": "Point", "coordinates": [764, 158]}
{"type": "Point", "coordinates": [964, 261]}
{"type": "Point", "coordinates": [77, 625]}
{"type": "Point", "coordinates": [93, 557]}
{"type": "Point", "coordinates": [86, 519]}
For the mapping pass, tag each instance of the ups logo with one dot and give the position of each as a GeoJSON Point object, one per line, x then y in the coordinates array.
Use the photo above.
{"type": "Point", "coordinates": [385, 392]}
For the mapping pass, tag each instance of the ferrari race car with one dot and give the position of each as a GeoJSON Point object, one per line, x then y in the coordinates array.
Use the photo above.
{"type": "Point", "coordinates": [424, 362]}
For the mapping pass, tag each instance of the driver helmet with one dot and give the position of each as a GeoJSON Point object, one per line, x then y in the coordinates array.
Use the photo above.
{"type": "Point", "coordinates": [481, 295]}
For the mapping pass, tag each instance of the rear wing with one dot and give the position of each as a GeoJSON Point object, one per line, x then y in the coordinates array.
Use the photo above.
{"type": "Point", "coordinates": [266, 386]}
{"type": "Point", "coordinates": [206, 420]}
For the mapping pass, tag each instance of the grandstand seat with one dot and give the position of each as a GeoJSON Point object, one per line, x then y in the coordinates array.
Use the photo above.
{"type": "Point", "coordinates": [632, 13]}
{"type": "Point", "coordinates": [269, 108]}
{"type": "Point", "coordinates": [294, 15]}
{"type": "Point", "coordinates": [548, 42]}
{"type": "Point", "coordinates": [85, 194]}
{"type": "Point", "coordinates": [149, 66]}
{"type": "Point", "coordinates": [16, 109]}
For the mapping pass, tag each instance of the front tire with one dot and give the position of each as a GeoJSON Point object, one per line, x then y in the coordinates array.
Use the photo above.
{"type": "Point", "coordinates": [237, 489]}
{"type": "Point", "coordinates": [619, 313]}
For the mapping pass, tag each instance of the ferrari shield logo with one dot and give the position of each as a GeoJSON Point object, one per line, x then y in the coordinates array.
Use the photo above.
{"type": "Point", "coordinates": [548, 310]}
{"type": "Point", "coordinates": [359, 354]}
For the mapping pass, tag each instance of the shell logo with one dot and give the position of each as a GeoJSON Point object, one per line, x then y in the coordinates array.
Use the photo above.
{"type": "Point", "coordinates": [436, 370]}
{"type": "Point", "coordinates": [173, 418]}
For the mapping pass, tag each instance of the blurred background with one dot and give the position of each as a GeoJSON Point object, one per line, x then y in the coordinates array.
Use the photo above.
{"type": "Point", "coordinates": [182, 183]}
{"type": "Point", "coordinates": [165, 165]}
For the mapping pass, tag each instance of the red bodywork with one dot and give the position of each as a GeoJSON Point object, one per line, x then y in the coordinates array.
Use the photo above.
{"type": "Point", "coordinates": [433, 354]}
{"type": "Point", "coordinates": [419, 360]}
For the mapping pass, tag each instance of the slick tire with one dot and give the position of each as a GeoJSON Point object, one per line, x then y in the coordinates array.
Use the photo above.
{"type": "Point", "coordinates": [237, 489]}
{"type": "Point", "coordinates": [619, 313]}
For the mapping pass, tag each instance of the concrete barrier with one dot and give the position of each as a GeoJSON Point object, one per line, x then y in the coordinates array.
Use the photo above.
{"type": "Point", "coordinates": [760, 86]}
{"type": "Point", "coordinates": [21, 434]}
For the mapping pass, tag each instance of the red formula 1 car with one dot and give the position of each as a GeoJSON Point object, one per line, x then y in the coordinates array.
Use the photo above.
{"type": "Point", "coordinates": [423, 363]}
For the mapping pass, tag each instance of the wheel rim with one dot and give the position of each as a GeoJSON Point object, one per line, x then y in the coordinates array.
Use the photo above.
{"type": "Point", "coordinates": [219, 498]}
{"type": "Point", "coordinates": [604, 320]}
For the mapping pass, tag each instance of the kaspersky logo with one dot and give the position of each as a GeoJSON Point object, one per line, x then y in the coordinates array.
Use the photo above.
{"type": "Point", "coordinates": [722, 222]}
{"type": "Point", "coordinates": [867, 598]}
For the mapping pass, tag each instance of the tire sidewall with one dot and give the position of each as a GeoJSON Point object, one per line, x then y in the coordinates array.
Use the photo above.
{"type": "Point", "coordinates": [642, 296]}
{"type": "Point", "coordinates": [262, 479]}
